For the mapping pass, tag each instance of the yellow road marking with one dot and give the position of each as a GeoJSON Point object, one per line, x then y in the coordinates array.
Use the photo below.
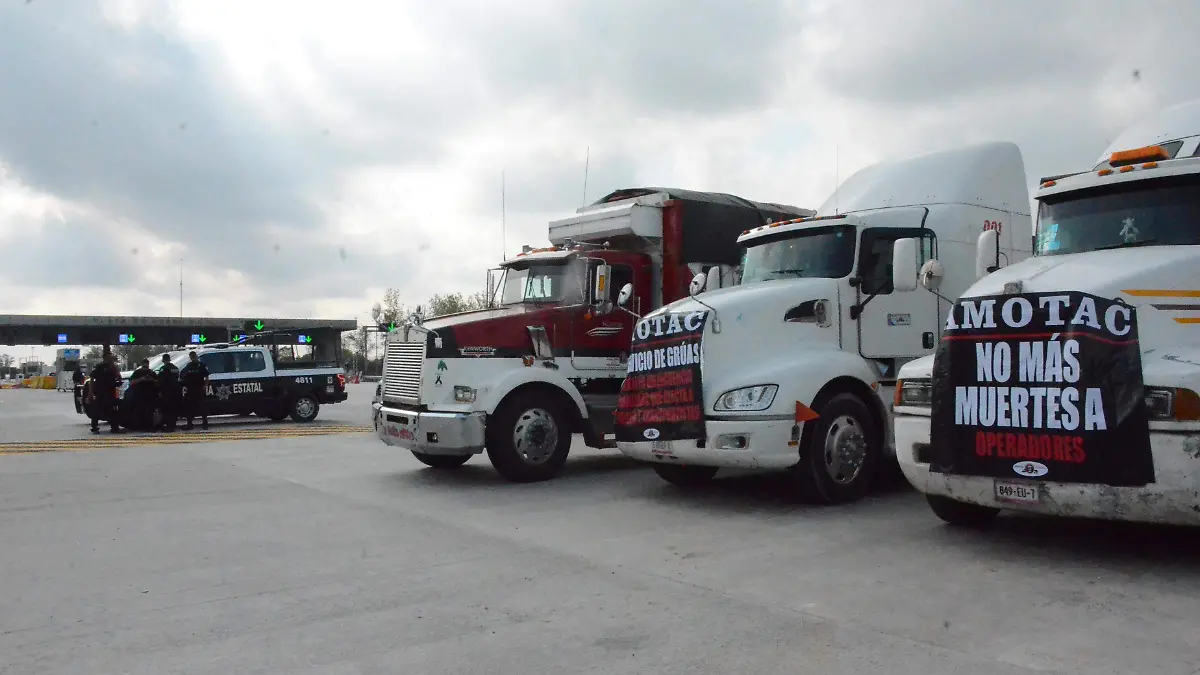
{"type": "Point", "coordinates": [1161, 293]}
{"type": "Point", "coordinates": [105, 440]}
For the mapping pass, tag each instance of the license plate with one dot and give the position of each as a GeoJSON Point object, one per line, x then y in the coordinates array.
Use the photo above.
{"type": "Point", "coordinates": [329, 389]}
{"type": "Point", "coordinates": [1021, 493]}
{"type": "Point", "coordinates": [660, 446]}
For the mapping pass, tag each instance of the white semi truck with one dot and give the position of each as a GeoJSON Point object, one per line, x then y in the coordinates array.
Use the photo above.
{"type": "Point", "coordinates": [794, 367]}
{"type": "Point", "coordinates": [1067, 384]}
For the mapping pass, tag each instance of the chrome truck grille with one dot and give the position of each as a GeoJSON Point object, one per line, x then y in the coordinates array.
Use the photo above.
{"type": "Point", "coordinates": [402, 370]}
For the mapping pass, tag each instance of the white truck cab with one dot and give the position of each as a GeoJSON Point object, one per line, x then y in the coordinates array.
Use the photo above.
{"type": "Point", "coordinates": [793, 367]}
{"type": "Point", "coordinates": [1085, 405]}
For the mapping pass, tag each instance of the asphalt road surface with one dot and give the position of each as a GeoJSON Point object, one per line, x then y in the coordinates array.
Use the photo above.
{"type": "Point", "coordinates": [335, 554]}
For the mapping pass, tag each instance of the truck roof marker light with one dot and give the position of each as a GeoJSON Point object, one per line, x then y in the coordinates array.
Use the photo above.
{"type": "Point", "coordinates": [1104, 172]}
{"type": "Point", "coordinates": [1049, 183]}
{"type": "Point", "coordinates": [1150, 165]}
{"type": "Point", "coordinates": [805, 413]}
{"type": "Point", "coordinates": [1147, 154]}
{"type": "Point", "coordinates": [1126, 169]}
{"type": "Point", "coordinates": [745, 232]}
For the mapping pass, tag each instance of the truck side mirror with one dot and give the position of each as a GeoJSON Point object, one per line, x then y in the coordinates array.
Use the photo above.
{"type": "Point", "coordinates": [698, 283]}
{"type": "Point", "coordinates": [987, 253]}
{"type": "Point", "coordinates": [713, 280]}
{"type": "Point", "coordinates": [904, 265]}
{"type": "Point", "coordinates": [600, 290]}
{"type": "Point", "coordinates": [625, 295]}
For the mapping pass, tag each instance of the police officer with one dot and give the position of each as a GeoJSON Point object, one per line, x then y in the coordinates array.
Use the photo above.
{"type": "Point", "coordinates": [142, 396]}
{"type": "Point", "coordinates": [103, 396]}
{"type": "Point", "coordinates": [78, 378]}
{"type": "Point", "coordinates": [195, 379]}
{"type": "Point", "coordinates": [168, 391]}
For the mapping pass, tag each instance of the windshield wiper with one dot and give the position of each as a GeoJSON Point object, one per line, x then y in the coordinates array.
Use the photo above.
{"type": "Point", "coordinates": [796, 272]}
{"type": "Point", "coordinates": [1127, 244]}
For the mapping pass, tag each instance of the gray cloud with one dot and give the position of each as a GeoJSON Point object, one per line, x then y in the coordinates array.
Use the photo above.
{"type": "Point", "coordinates": [666, 56]}
{"type": "Point", "coordinates": [170, 149]}
{"type": "Point", "coordinates": [553, 182]}
{"type": "Point", "coordinates": [78, 251]}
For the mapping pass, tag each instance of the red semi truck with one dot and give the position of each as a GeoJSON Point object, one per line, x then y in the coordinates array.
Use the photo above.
{"type": "Point", "coordinates": [547, 359]}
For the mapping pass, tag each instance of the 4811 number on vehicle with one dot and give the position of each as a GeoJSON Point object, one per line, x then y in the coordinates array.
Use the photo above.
{"type": "Point", "coordinates": [304, 379]}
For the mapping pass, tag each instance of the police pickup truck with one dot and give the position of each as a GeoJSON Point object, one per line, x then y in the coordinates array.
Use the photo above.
{"type": "Point", "coordinates": [247, 379]}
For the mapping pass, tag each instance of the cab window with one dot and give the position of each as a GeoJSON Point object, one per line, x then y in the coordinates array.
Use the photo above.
{"type": "Point", "coordinates": [875, 256]}
{"type": "Point", "coordinates": [618, 276]}
{"type": "Point", "coordinates": [218, 362]}
{"type": "Point", "coordinates": [249, 362]}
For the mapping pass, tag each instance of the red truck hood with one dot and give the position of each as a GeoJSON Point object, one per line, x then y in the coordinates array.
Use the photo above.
{"type": "Point", "coordinates": [491, 333]}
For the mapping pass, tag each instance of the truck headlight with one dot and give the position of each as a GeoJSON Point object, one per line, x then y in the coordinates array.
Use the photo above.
{"type": "Point", "coordinates": [1170, 404]}
{"type": "Point", "coordinates": [463, 394]}
{"type": "Point", "coordinates": [914, 393]}
{"type": "Point", "coordinates": [747, 399]}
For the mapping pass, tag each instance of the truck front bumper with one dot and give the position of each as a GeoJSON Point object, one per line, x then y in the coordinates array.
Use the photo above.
{"type": "Point", "coordinates": [765, 444]}
{"type": "Point", "coordinates": [430, 433]}
{"type": "Point", "coordinates": [1174, 497]}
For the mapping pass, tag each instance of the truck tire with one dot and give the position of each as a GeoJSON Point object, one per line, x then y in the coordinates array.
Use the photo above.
{"type": "Point", "coordinates": [839, 454]}
{"type": "Point", "coordinates": [961, 514]}
{"type": "Point", "coordinates": [685, 476]}
{"type": "Point", "coordinates": [304, 408]}
{"type": "Point", "coordinates": [441, 461]}
{"type": "Point", "coordinates": [528, 438]}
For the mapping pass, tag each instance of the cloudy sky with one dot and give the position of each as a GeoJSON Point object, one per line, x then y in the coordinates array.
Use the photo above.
{"type": "Point", "coordinates": [301, 157]}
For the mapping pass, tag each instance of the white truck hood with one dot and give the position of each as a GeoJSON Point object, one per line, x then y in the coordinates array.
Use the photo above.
{"type": "Point", "coordinates": [731, 357]}
{"type": "Point", "coordinates": [1140, 276]}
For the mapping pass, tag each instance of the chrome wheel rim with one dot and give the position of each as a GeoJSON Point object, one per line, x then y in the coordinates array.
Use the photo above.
{"type": "Point", "coordinates": [845, 450]}
{"type": "Point", "coordinates": [535, 436]}
{"type": "Point", "coordinates": [304, 407]}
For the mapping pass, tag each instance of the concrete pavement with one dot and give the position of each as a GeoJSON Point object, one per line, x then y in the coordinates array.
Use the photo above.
{"type": "Point", "coordinates": [336, 554]}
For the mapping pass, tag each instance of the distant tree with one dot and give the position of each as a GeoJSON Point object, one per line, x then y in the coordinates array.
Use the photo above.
{"type": "Point", "coordinates": [93, 353]}
{"type": "Point", "coordinates": [454, 303]}
{"type": "Point", "coordinates": [6, 361]}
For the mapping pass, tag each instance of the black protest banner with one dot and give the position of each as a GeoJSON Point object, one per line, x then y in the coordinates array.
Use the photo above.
{"type": "Point", "coordinates": [1044, 386]}
{"type": "Point", "coordinates": [662, 397]}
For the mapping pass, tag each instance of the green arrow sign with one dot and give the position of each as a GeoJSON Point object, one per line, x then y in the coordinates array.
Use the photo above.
{"type": "Point", "coordinates": [132, 339]}
{"type": "Point", "coordinates": [258, 325]}
{"type": "Point", "coordinates": [203, 339]}
{"type": "Point", "coordinates": [391, 326]}
{"type": "Point", "coordinates": [308, 338]}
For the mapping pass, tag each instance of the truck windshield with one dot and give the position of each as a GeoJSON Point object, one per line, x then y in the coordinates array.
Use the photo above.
{"type": "Point", "coordinates": [541, 283]}
{"type": "Point", "coordinates": [1158, 212]}
{"type": "Point", "coordinates": [824, 252]}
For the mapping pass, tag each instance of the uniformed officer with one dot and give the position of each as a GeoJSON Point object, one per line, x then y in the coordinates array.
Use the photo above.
{"type": "Point", "coordinates": [103, 397]}
{"type": "Point", "coordinates": [168, 391]}
{"type": "Point", "coordinates": [78, 379]}
{"type": "Point", "coordinates": [195, 379]}
{"type": "Point", "coordinates": [143, 396]}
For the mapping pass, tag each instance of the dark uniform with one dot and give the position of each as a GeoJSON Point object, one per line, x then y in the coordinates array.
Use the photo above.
{"type": "Point", "coordinates": [78, 379]}
{"type": "Point", "coordinates": [195, 379]}
{"type": "Point", "coordinates": [143, 397]}
{"type": "Point", "coordinates": [105, 380]}
{"type": "Point", "coordinates": [168, 391]}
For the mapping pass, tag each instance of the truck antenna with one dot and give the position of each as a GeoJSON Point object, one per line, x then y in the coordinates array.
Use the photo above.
{"type": "Point", "coordinates": [587, 159]}
{"type": "Point", "coordinates": [181, 287]}
{"type": "Point", "coordinates": [503, 231]}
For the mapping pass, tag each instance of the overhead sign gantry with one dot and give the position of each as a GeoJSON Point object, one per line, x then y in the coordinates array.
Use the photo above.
{"type": "Point", "coordinates": [42, 329]}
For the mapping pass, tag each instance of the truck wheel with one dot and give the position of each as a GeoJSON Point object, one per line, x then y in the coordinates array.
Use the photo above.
{"type": "Point", "coordinates": [441, 461]}
{"type": "Point", "coordinates": [528, 438]}
{"type": "Point", "coordinates": [961, 514]}
{"type": "Point", "coordinates": [304, 408]}
{"type": "Point", "coordinates": [685, 476]}
{"type": "Point", "coordinates": [840, 453]}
